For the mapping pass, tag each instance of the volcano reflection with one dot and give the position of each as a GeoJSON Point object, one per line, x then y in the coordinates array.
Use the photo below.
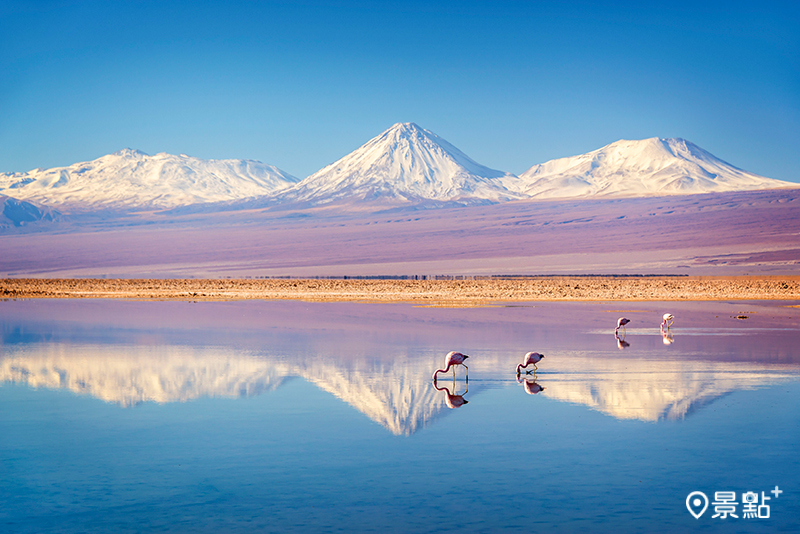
{"type": "Point", "coordinates": [394, 391]}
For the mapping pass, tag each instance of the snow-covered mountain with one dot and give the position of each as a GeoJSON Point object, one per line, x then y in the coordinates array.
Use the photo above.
{"type": "Point", "coordinates": [15, 212]}
{"type": "Point", "coordinates": [405, 164]}
{"type": "Point", "coordinates": [647, 167]}
{"type": "Point", "coordinates": [130, 179]}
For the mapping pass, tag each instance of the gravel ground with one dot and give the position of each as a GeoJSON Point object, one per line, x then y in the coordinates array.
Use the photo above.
{"type": "Point", "coordinates": [430, 292]}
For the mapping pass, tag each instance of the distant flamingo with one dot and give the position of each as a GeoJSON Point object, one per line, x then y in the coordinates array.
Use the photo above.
{"type": "Point", "coordinates": [532, 358]}
{"type": "Point", "coordinates": [668, 317]}
{"type": "Point", "coordinates": [531, 386]}
{"type": "Point", "coordinates": [452, 359]}
{"type": "Point", "coordinates": [621, 324]}
{"type": "Point", "coordinates": [452, 400]}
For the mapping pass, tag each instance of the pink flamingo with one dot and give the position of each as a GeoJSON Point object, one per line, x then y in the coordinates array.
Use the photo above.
{"type": "Point", "coordinates": [452, 359]}
{"type": "Point", "coordinates": [452, 400]}
{"type": "Point", "coordinates": [621, 324]}
{"type": "Point", "coordinates": [667, 320]}
{"type": "Point", "coordinates": [532, 358]}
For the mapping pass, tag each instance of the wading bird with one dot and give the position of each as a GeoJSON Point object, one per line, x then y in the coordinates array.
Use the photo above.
{"type": "Point", "coordinates": [621, 324]}
{"type": "Point", "coordinates": [452, 359]}
{"type": "Point", "coordinates": [668, 317]}
{"type": "Point", "coordinates": [532, 358]}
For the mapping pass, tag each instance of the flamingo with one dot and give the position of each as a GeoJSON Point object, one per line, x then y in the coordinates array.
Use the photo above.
{"type": "Point", "coordinates": [532, 358]}
{"type": "Point", "coordinates": [667, 320]}
{"type": "Point", "coordinates": [452, 359]}
{"type": "Point", "coordinates": [452, 400]}
{"type": "Point", "coordinates": [621, 324]}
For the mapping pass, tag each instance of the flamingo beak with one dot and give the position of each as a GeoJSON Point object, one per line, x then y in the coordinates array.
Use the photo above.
{"type": "Point", "coordinates": [465, 356]}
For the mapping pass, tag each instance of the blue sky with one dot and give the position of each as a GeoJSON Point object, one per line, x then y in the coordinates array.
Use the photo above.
{"type": "Point", "coordinates": [300, 84]}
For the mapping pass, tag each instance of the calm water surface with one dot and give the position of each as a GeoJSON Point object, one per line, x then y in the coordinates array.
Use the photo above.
{"type": "Point", "coordinates": [121, 416]}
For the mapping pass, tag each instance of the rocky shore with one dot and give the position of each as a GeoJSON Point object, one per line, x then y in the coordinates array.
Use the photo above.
{"type": "Point", "coordinates": [468, 292]}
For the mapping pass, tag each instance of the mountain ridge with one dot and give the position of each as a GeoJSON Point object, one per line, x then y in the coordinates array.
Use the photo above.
{"type": "Point", "coordinates": [405, 166]}
{"type": "Point", "coordinates": [633, 168]}
{"type": "Point", "coordinates": [131, 179]}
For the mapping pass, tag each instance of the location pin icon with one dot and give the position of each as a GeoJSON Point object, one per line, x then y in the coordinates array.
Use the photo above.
{"type": "Point", "coordinates": [697, 502]}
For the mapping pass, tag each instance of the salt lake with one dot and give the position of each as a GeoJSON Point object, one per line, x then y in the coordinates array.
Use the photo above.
{"type": "Point", "coordinates": [285, 416]}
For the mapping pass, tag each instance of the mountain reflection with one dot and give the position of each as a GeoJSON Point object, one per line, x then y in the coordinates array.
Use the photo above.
{"type": "Point", "coordinates": [655, 390]}
{"type": "Point", "coordinates": [132, 375]}
{"type": "Point", "coordinates": [396, 392]}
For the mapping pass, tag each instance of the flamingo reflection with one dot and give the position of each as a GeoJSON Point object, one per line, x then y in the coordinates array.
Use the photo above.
{"type": "Point", "coordinates": [450, 398]}
{"type": "Point", "coordinates": [531, 386]}
{"type": "Point", "coordinates": [621, 343]}
{"type": "Point", "coordinates": [452, 359]}
{"type": "Point", "coordinates": [666, 337]}
{"type": "Point", "coordinates": [531, 358]}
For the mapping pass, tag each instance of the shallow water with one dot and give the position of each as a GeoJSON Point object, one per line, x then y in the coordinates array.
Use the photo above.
{"type": "Point", "coordinates": [121, 416]}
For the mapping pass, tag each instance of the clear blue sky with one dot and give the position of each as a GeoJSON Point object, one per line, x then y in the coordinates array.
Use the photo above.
{"type": "Point", "coordinates": [300, 84]}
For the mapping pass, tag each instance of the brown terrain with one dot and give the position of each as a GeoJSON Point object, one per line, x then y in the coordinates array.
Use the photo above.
{"type": "Point", "coordinates": [465, 292]}
{"type": "Point", "coordinates": [755, 233]}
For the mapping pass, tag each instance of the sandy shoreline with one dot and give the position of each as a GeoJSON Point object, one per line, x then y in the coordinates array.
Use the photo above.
{"type": "Point", "coordinates": [429, 292]}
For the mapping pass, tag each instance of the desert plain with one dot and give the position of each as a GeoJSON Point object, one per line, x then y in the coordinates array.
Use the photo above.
{"type": "Point", "coordinates": [454, 292]}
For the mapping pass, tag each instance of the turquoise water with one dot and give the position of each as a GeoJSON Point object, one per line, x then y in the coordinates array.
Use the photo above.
{"type": "Point", "coordinates": [123, 416]}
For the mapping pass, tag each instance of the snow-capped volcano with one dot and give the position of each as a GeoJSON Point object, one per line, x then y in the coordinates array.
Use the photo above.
{"type": "Point", "coordinates": [130, 179]}
{"type": "Point", "coordinates": [648, 167]}
{"type": "Point", "coordinates": [404, 164]}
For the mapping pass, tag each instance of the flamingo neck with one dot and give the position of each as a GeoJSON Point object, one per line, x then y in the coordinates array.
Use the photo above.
{"type": "Point", "coordinates": [436, 372]}
{"type": "Point", "coordinates": [520, 366]}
